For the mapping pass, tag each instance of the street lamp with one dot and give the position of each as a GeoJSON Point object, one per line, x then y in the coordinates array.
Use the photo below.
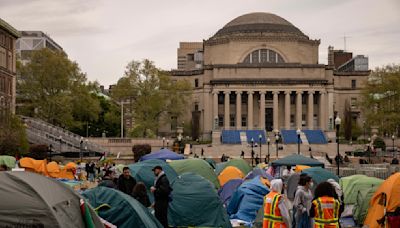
{"type": "Point", "coordinates": [369, 150]}
{"type": "Point", "coordinates": [298, 132]}
{"type": "Point", "coordinates": [167, 143]}
{"type": "Point", "coordinates": [252, 151]}
{"type": "Point", "coordinates": [268, 141]}
{"type": "Point", "coordinates": [163, 141]}
{"type": "Point", "coordinates": [80, 149]}
{"type": "Point", "coordinates": [260, 138]}
{"type": "Point", "coordinates": [394, 151]}
{"type": "Point", "coordinates": [337, 124]}
{"type": "Point", "coordinates": [364, 131]}
{"type": "Point", "coordinates": [276, 141]}
{"type": "Point", "coordinates": [179, 141]}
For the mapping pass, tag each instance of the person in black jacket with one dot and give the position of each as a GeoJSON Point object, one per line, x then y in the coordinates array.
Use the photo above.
{"type": "Point", "coordinates": [140, 194]}
{"type": "Point", "coordinates": [161, 191]}
{"type": "Point", "coordinates": [126, 182]}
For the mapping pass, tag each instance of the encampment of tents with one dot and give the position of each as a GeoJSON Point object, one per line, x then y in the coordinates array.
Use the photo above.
{"type": "Point", "coordinates": [296, 159]}
{"type": "Point", "coordinates": [247, 200]}
{"type": "Point", "coordinates": [195, 203]}
{"type": "Point", "coordinates": [388, 193]}
{"type": "Point", "coordinates": [225, 192]}
{"type": "Point", "coordinates": [197, 166]}
{"type": "Point", "coordinates": [320, 175]}
{"type": "Point", "coordinates": [120, 209]}
{"type": "Point", "coordinates": [258, 172]}
{"type": "Point", "coordinates": [9, 161]}
{"type": "Point", "coordinates": [228, 174]}
{"type": "Point", "coordinates": [163, 154]}
{"type": "Point", "coordinates": [238, 163]}
{"type": "Point", "coordinates": [32, 200]}
{"type": "Point", "coordinates": [352, 184]}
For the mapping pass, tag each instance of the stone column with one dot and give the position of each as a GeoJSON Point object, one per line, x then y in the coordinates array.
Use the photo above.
{"type": "Point", "coordinates": [262, 110]}
{"type": "Point", "coordinates": [298, 109]}
{"type": "Point", "coordinates": [238, 109]}
{"type": "Point", "coordinates": [322, 107]}
{"type": "Point", "coordinates": [275, 110]}
{"type": "Point", "coordinates": [250, 110]}
{"type": "Point", "coordinates": [310, 112]}
{"type": "Point", "coordinates": [215, 107]}
{"type": "Point", "coordinates": [287, 109]}
{"type": "Point", "coordinates": [226, 108]}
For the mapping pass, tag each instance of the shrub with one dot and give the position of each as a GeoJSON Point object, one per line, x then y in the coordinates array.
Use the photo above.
{"type": "Point", "coordinates": [379, 143]}
{"type": "Point", "coordinates": [38, 152]}
{"type": "Point", "coordinates": [140, 150]}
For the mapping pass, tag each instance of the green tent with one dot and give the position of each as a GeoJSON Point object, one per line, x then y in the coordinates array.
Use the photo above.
{"type": "Point", "coordinates": [360, 209]}
{"type": "Point", "coordinates": [352, 184]}
{"type": "Point", "coordinates": [219, 167]}
{"type": "Point", "coordinates": [195, 203]}
{"type": "Point", "coordinates": [197, 166]}
{"type": "Point", "coordinates": [120, 209]}
{"type": "Point", "coordinates": [320, 175]}
{"type": "Point", "coordinates": [211, 162]}
{"type": "Point", "coordinates": [296, 159]}
{"type": "Point", "coordinates": [238, 163]}
{"type": "Point", "coordinates": [9, 161]}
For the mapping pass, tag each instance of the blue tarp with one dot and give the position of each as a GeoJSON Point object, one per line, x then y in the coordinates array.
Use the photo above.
{"type": "Point", "coordinates": [226, 192]}
{"type": "Point", "coordinates": [258, 172]}
{"type": "Point", "coordinates": [163, 154]}
{"type": "Point", "coordinates": [247, 200]}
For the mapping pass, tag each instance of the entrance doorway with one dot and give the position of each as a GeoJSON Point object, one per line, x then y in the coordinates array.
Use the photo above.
{"type": "Point", "coordinates": [269, 119]}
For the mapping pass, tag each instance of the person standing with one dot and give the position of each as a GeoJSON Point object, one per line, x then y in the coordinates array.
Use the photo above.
{"type": "Point", "coordinates": [161, 191]}
{"type": "Point", "coordinates": [140, 194]}
{"type": "Point", "coordinates": [126, 182]}
{"type": "Point", "coordinates": [276, 213]}
{"type": "Point", "coordinates": [325, 209]}
{"type": "Point", "coordinates": [302, 202]}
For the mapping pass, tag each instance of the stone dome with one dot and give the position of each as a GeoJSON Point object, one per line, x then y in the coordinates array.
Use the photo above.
{"type": "Point", "coordinates": [259, 23]}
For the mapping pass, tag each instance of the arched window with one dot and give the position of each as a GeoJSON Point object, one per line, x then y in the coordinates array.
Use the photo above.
{"type": "Point", "coordinates": [263, 56]}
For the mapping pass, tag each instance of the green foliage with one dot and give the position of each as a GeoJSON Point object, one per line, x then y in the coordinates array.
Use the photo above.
{"type": "Point", "coordinates": [152, 96]}
{"type": "Point", "coordinates": [13, 140]}
{"type": "Point", "coordinates": [140, 150]}
{"type": "Point", "coordinates": [379, 143]}
{"type": "Point", "coordinates": [38, 152]}
{"type": "Point", "coordinates": [356, 131]}
{"type": "Point", "coordinates": [381, 98]}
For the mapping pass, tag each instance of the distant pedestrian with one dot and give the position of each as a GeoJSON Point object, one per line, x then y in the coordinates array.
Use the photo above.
{"type": "Point", "coordinates": [223, 158]}
{"type": "Point", "coordinates": [257, 159]}
{"type": "Point", "coordinates": [161, 191]}
{"type": "Point", "coordinates": [126, 182]}
{"type": "Point", "coordinates": [202, 152]}
{"type": "Point", "coordinates": [91, 171]}
{"type": "Point", "coordinates": [140, 194]}
{"type": "Point", "coordinates": [242, 154]}
{"type": "Point", "coordinates": [108, 180]}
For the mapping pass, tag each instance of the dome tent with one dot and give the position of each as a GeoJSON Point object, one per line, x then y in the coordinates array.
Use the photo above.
{"type": "Point", "coordinates": [195, 203]}
{"type": "Point", "coordinates": [163, 154]}
{"type": "Point", "coordinates": [229, 173]}
{"type": "Point", "coordinates": [33, 200]}
{"type": "Point", "coordinates": [238, 163]}
{"type": "Point", "coordinates": [124, 210]}
{"type": "Point", "coordinates": [225, 192]}
{"type": "Point", "coordinates": [352, 184]}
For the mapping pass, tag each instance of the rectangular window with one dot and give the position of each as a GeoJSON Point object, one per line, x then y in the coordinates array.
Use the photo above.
{"type": "Point", "coordinates": [196, 107]}
{"type": "Point", "coordinates": [232, 120]}
{"type": "Point", "coordinates": [196, 83]}
{"type": "Point", "coordinates": [220, 120]}
{"type": "Point", "coordinates": [353, 103]}
{"type": "Point", "coordinates": [291, 118]}
{"type": "Point", "coordinates": [232, 99]}
{"type": "Point", "coordinates": [303, 99]}
{"type": "Point", "coordinates": [315, 99]}
{"type": "Point", "coordinates": [244, 98]}
{"type": "Point", "coordinates": [190, 57]}
{"type": "Point", "coordinates": [220, 98]}
{"type": "Point", "coordinates": [353, 84]}
{"type": "Point", "coordinates": [292, 99]}
{"type": "Point", "coordinates": [244, 121]}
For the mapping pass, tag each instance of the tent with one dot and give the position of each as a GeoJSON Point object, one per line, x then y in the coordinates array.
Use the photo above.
{"type": "Point", "coordinates": [320, 175]}
{"type": "Point", "coordinates": [258, 172]}
{"type": "Point", "coordinates": [67, 172]}
{"type": "Point", "coordinates": [390, 189]}
{"type": "Point", "coordinates": [195, 203]}
{"type": "Point", "coordinates": [352, 184]}
{"type": "Point", "coordinates": [296, 159]}
{"type": "Point", "coordinates": [32, 165]}
{"type": "Point", "coordinates": [292, 183]}
{"type": "Point", "coordinates": [300, 168]}
{"type": "Point", "coordinates": [247, 200]}
{"type": "Point", "coordinates": [197, 166]}
{"type": "Point", "coordinates": [229, 173]}
{"type": "Point", "coordinates": [211, 162]}
{"type": "Point", "coordinates": [225, 192]}
{"type": "Point", "coordinates": [53, 169]}
{"type": "Point", "coordinates": [32, 200]}
{"type": "Point", "coordinates": [360, 209]}
{"type": "Point", "coordinates": [238, 163]}
{"type": "Point", "coordinates": [163, 154]}
{"type": "Point", "coordinates": [9, 161]}
{"type": "Point", "coordinates": [219, 167]}
{"type": "Point", "coordinates": [124, 210]}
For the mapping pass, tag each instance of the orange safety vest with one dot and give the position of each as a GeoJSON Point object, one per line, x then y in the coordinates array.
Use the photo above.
{"type": "Point", "coordinates": [326, 212]}
{"type": "Point", "coordinates": [272, 213]}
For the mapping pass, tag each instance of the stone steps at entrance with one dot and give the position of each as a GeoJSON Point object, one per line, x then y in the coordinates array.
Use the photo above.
{"type": "Point", "coordinates": [303, 138]}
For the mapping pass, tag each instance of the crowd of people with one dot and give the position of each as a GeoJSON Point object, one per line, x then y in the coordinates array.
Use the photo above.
{"type": "Point", "coordinates": [321, 209]}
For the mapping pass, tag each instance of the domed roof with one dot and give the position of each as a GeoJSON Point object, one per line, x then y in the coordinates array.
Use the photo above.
{"type": "Point", "coordinates": [259, 23]}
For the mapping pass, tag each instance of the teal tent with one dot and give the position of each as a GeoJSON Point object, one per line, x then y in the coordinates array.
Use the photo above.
{"type": "Point", "coordinates": [352, 184]}
{"type": "Point", "coordinates": [120, 209]}
{"type": "Point", "coordinates": [195, 203]}
{"type": "Point", "coordinates": [360, 209]}
{"type": "Point", "coordinates": [211, 162]}
{"type": "Point", "coordinates": [238, 163]}
{"type": "Point", "coordinates": [296, 159]}
{"type": "Point", "coordinates": [320, 175]}
{"type": "Point", "coordinates": [219, 167]}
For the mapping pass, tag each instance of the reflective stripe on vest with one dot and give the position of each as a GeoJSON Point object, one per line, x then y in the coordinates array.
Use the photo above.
{"type": "Point", "coordinates": [272, 213]}
{"type": "Point", "coordinates": [327, 211]}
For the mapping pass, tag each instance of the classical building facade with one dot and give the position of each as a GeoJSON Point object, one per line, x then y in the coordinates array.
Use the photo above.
{"type": "Point", "coordinates": [261, 72]}
{"type": "Point", "coordinates": [8, 35]}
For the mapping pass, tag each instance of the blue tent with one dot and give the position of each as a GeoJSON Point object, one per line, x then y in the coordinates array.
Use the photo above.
{"type": "Point", "coordinates": [225, 193]}
{"type": "Point", "coordinates": [163, 154]}
{"type": "Point", "coordinates": [258, 172]}
{"type": "Point", "coordinates": [247, 200]}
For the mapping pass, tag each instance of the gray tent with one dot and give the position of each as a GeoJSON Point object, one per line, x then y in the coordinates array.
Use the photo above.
{"type": "Point", "coordinates": [31, 200]}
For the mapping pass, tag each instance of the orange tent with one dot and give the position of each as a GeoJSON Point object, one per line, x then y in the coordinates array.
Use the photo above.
{"type": "Point", "coordinates": [389, 188]}
{"type": "Point", "coordinates": [68, 171]}
{"type": "Point", "coordinates": [229, 173]}
{"type": "Point", "coordinates": [53, 169]}
{"type": "Point", "coordinates": [32, 165]}
{"type": "Point", "coordinates": [299, 168]}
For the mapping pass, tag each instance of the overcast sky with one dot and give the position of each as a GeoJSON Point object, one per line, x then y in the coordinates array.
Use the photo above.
{"type": "Point", "coordinates": [104, 35]}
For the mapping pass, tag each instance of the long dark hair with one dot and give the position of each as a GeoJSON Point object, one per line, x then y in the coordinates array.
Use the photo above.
{"type": "Point", "coordinates": [324, 189]}
{"type": "Point", "coordinates": [139, 189]}
{"type": "Point", "coordinates": [304, 179]}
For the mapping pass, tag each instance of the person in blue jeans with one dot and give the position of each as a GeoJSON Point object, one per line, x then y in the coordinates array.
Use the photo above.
{"type": "Point", "coordinates": [302, 202]}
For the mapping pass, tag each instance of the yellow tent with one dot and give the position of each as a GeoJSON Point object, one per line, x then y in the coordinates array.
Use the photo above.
{"type": "Point", "coordinates": [32, 165]}
{"type": "Point", "coordinates": [68, 171]}
{"type": "Point", "coordinates": [299, 168]}
{"type": "Point", "coordinates": [229, 173]}
{"type": "Point", "coordinates": [389, 189]}
{"type": "Point", "coordinates": [53, 169]}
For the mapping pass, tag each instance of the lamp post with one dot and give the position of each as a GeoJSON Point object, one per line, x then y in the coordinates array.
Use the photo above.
{"type": "Point", "coordinates": [364, 131]}
{"type": "Point", "coordinates": [337, 124]}
{"type": "Point", "coordinates": [394, 151]}
{"type": "Point", "coordinates": [163, 141]}
{"type": "Point", "coordinates": [60, 139]}
{"type": "Point", "coordinates": [268, 141]}
{"type": "Point", "coordinates": [260, 138]}
{"type": "Point", "coordinates": [276, 141]}
{"type": "Point", "coordinates": [252, 151]}
{"type": "Point", "coordinates": [167, 143]}
{"type": "Point", "coordinates": [369, 150]}
{"type": "Point", "coordinates": [179, 141]}
{"type": "Point", "coordinates": [80, 149]}
{"type": "Point", "coordinates": [298, 132]}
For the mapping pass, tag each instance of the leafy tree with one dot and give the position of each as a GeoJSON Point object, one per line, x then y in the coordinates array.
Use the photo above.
{"type": "Point", "coordinates": [13, 140]}
{"type": "Point", "coordinates": [381, 98]}
{"type": "Point", "coordinates": [140, 150]}
{"type": "Point", "coordinates": [379, 143]}
{"type": "Point", "coordinates": [151, 96]}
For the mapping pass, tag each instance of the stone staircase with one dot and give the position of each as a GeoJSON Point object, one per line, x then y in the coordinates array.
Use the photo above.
{"type": "Point", "coordinates": [303, 138]}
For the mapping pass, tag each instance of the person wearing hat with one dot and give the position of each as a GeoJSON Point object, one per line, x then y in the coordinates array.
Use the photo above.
{"type": "Point", "coordinates": [161, 191]}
